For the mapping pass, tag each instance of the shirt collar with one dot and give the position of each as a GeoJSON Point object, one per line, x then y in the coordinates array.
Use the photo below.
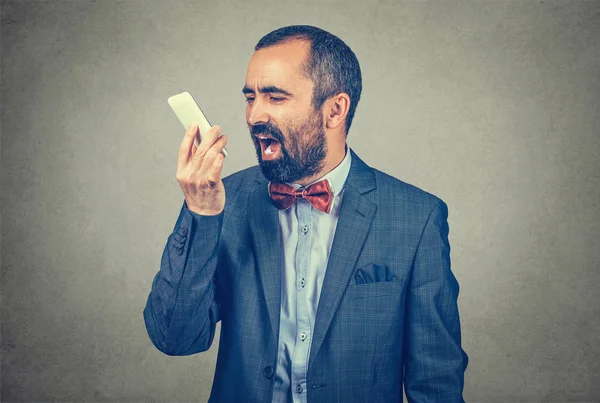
{"type": "Point", "coordinates": [337, 176]}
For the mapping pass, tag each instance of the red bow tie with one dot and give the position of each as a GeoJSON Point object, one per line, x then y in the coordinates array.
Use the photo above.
{"type": "Point", "coordinates": [319, 195]}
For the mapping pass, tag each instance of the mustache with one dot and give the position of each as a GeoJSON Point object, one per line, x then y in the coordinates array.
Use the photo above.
{"type": "Point", "coordinates": [267, 128]}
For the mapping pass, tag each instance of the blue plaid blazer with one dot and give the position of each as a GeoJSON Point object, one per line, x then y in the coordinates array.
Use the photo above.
{"type": "Point", "coordinates": [387, 315]}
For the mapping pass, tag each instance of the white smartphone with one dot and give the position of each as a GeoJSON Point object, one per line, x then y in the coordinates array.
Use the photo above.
{"type": "Point", "coordinates": [188, 112]}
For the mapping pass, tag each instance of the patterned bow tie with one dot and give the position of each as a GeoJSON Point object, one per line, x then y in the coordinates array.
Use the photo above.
{"type": "Point", "coordinates": [319, 195]}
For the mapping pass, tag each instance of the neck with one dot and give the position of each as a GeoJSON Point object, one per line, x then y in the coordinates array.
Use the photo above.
{"type": "Point", "coordinates": [333, 159]}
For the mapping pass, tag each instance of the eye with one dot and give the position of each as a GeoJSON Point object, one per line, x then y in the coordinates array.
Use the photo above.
{"type": "Point", "coordinates": [277, 99]}
{"type": "Point", "coordinates": [249, 99]}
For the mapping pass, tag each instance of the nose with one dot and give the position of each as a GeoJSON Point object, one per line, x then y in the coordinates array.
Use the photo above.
{"type": "Point", "coordinates": [256, 113]}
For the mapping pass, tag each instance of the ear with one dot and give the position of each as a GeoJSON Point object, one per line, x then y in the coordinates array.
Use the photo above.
{"type": "Point", "coordinates": [336, 110]}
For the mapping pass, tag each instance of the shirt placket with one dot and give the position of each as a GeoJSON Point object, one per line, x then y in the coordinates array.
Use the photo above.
{"type": "Point", "coordinates": [303, 332]}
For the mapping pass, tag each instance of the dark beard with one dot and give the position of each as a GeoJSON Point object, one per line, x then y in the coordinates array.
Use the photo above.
{"type": "Point", "coordinates": [305, 158]}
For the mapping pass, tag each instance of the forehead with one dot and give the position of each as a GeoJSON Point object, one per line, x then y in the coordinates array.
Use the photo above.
{"type": "Point", "coordinates": [281, 64]}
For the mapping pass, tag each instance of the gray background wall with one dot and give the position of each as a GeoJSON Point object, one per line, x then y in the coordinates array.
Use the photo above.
{"type": "Point", "coordinates": [493, 106]}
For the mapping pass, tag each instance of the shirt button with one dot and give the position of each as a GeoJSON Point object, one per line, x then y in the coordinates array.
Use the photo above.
{"type": "Point", "coordinates": [302, 282]}
{"type": "Point", "coordinates": [304, 229]}
{"type": "Point", "coordinates": [269, 372]}
{"type": "Point", "coordinates": [302, 336]}
{"type": "Point", "coordinates": [299, 388]}
{"type": "Point", "coordinates": [182, 231]}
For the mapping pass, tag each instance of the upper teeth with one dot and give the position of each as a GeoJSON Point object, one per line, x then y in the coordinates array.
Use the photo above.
{"type": "Point", "coordinates": [262, 137]}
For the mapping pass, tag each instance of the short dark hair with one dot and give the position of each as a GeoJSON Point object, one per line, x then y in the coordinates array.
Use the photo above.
{"type": "Point", "coordinates": [332, 65]}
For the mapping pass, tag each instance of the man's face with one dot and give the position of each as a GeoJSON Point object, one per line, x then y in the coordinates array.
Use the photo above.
{"type": "Point", "coordinates": [287, 132]}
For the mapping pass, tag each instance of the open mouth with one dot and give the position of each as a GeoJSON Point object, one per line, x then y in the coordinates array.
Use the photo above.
{"type": "Point", "coordinates": [269, 146]}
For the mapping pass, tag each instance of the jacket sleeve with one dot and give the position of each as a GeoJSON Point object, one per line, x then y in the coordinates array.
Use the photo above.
{"type": "Point", "coordinates": [435, 362]}
{"type": "Point", "coordinates": [182, 309]}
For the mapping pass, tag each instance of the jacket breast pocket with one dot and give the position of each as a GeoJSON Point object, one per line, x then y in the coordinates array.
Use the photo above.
{"type": "Point", "coordinates": [376, 290]}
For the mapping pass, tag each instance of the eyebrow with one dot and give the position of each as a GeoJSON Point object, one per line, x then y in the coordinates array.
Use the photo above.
{"type": "Point", "coordinates": [266, 89]}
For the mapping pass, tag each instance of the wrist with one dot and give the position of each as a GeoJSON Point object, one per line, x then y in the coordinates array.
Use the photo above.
{"type": "Point", "coordinates": [203, 212]}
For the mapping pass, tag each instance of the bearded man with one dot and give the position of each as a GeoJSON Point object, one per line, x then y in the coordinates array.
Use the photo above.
{"type": "Point", "coordinates": [331, 279]}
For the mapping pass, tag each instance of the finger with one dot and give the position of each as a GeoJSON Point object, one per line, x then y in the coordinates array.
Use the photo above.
{"type": "Point", "coordinates": [220, 143]}
{"type": "Point", "coordinates": [185, 148]}
{"type": "Point", "coordinates": [212, 155]}
{"type": "Point", "coordinates": [214, 174]}
{"type": "Point", "coordinates": [207, 142]}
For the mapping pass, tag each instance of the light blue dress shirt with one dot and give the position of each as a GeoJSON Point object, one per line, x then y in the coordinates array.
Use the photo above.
{"type": "Point", "coordinates": [306, 239]}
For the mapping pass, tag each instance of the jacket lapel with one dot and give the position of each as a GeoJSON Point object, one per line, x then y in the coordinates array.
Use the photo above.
{"type": "Point", "coordinates": [266, 237]}
{"type": "Point", "coordinates": [356, 214]}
